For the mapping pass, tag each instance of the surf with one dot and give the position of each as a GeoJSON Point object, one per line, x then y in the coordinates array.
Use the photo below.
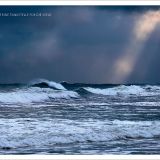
{"type": "Point", "coordinates": [35, 94]}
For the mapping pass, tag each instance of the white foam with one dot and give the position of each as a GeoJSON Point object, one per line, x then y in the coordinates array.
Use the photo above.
{"type": "Point", "coordinates": [56, 85]}
{"type": "Point", "coordinates": [155, 104]}
{"type": "Point", "coordinates": [34, 94]}
{"type": "Point", "coordinates": [121, 90]}
{"type": "Point", "coordinates": [22, 132]}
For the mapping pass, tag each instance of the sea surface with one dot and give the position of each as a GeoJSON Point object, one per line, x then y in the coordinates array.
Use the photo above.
{"type": "Point", "coordinates": [45, 117]}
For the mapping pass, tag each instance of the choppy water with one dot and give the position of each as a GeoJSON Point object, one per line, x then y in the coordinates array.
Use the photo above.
{"type": "Point", "coordinates": [48, 118]}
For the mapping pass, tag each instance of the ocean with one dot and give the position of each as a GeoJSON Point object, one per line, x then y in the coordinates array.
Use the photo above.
{"type": "Point", "coordinates": [45, 117]}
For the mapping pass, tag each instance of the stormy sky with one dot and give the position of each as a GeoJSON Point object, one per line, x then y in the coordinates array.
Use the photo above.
{"type": "Point", "coordinates": [85, 44]}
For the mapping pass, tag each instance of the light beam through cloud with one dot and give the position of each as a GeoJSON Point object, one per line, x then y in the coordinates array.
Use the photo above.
{"type": "Point", "coordinates": [142, 30]}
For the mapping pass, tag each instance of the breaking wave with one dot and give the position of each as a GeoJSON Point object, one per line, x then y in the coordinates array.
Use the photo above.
{"type": "Point", "coordinates": [34, 94]}
{"type": "Point", "coordinates": [126, 90]}
{"type": "Point", "coordinates": [44, 90]}
{"type": "Point", "coordinates": [43, 83]}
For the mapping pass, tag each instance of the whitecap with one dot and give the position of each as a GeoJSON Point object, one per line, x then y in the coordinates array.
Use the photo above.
{"type": "Point", "coordinates": [35, 94]}
{"type": "Point", "coordinates": [122, 90]}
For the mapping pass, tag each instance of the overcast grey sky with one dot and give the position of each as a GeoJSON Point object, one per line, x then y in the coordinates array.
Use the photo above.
{"type": "Point", "coordinates": [81, 44]}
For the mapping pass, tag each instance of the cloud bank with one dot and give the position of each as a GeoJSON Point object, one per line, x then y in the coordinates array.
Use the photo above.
{"type": "Point", "coordinates": [116, 44]}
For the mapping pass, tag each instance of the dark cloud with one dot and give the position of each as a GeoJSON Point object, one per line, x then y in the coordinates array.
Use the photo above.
{"type": "Point", "coordinates": [75, 44]}
{"type": "Point", "coordinates": [128, 9]}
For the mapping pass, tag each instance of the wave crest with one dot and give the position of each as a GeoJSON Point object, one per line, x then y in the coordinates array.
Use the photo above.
{"type": "Point", "coordinates": [45, 83]}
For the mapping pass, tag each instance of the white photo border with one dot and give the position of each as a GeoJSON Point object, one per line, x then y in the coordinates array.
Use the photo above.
{"type": "Point", "coordinates": [79, 3]}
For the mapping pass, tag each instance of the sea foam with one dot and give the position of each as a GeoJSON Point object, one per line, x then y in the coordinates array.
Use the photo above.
{"type": "Point", "coordinates": [34, 94]}
{"type": "Point", "coordinates": [124, 90]}
{"type": "Point", "coordinates": [59, 131]}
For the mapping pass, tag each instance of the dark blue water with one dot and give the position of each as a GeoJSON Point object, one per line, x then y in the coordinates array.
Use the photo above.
{"type": "Point", "coordinates": [45, 117]}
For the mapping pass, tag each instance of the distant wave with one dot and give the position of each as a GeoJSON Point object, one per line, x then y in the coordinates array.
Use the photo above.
{"type": "Point", "coordinates": [126, 90]}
